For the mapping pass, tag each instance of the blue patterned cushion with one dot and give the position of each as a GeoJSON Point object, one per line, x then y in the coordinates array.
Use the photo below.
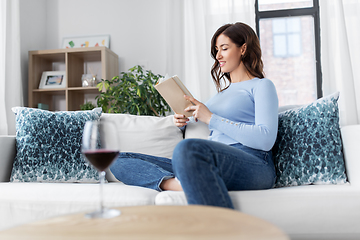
{"type": "Point", "coordinates": [48, 146]}
{"type": "Point", "coordinates": [308, 149]}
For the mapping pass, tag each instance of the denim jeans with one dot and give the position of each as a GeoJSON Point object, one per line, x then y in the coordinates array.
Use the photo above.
{"type": "Point", "coordinates": [206, 169]}
{"type": "Point", "coordinates": [142, 170]}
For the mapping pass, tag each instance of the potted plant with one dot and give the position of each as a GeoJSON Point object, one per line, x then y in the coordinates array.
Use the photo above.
{"type": "Point", "coordinates": [132, 92]}
{"type": "Point", "coordinates": [87, 106]}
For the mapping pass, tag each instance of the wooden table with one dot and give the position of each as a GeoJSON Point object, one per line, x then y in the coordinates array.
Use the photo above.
{"type": "Point", "coordinates": [152, 222]}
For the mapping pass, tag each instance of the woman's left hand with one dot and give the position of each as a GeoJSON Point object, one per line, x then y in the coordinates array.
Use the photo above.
{"type": "Point", "coordinates": [201, 112]}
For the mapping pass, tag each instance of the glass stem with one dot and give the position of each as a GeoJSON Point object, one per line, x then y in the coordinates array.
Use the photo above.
{"type": "Point", "coordinates": [102, 180]}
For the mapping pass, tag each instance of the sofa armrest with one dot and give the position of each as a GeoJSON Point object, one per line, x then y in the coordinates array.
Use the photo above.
{"type": "Point", "coordinates": [351, 141]}
{"type": "Point", "coordinates": [7, 155]}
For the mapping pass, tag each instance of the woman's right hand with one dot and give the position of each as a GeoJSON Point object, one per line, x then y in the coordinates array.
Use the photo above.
{"type": "Point", "coordinates": [180, 120]}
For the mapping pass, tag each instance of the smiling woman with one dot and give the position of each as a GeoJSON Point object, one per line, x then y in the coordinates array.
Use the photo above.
{"type": "Point", "coordinates": [242, 119]}
{"type": "Point", "coordinates": [227, 50]}
{"type": "Point", "coordinates": [236, 43]}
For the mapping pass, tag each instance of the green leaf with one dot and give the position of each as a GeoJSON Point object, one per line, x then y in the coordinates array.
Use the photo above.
{"type": "Point", "coordinates": [132, 92]}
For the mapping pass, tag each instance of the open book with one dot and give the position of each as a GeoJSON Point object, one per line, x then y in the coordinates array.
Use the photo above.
{"type": "Point", "coordinates": [173, 91]}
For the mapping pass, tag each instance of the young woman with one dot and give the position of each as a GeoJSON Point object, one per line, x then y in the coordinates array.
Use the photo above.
{"type": "Point", "coordinates": [242, 118]}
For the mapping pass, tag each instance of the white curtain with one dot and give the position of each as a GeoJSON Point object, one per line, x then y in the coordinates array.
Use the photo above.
{"type": "Point", "coordinates": [191, 24]}
{"type": "Point", "coordinates": [340, 55]}
{"type": "Point", "coordinates": [10, 68]}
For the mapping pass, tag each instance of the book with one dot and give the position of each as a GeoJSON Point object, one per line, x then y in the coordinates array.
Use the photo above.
{"type": "Point", "coordinates": [173, 91]}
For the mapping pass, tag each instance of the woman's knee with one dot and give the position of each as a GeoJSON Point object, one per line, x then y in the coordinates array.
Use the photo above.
{"type": "Point", "coordinates": [188, 152]}
{"type": "Point", "coordinates": [187, 148]}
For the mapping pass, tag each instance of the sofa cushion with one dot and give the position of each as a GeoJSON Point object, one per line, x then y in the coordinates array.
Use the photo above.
{"type": "Point", "coordinates": [308, 149]}
{"type": "Point", "coordinates": [304, 212]}
{"type": "Point", "coordinates": [197, 130]}
{"type": "Point", "coordinates": [150, 135]}
{"type": "Point", "coordinates": [21, 203]}
{"type": "Point", "coordinates": [48, 146]}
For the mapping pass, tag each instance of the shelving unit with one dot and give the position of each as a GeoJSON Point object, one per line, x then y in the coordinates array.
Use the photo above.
{"type": "Point", "coordinates": [73, 61]}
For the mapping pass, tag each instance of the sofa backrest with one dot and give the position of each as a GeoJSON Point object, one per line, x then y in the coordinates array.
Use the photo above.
{"type": "Point", "coordinates": [351, 142]}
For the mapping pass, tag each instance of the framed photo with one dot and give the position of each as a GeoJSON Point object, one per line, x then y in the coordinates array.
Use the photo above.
{"type": "Point", "coordinates": [53, 79]}
{"type": "Point", "coordinates": [86, 41]}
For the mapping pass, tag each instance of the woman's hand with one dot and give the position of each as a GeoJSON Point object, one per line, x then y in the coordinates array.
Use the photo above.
{"type": "Point", "coordinates": [201, 112]}
{"type": "Point", "coordinates": [180, 120]}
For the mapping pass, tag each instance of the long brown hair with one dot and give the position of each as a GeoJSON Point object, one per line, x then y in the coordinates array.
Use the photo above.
{"type": "Point", "coordinates": [239, 33]}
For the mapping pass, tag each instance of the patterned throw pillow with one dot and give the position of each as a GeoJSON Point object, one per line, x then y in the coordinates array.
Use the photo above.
{"type": "Point", "coordinates": [48, 146]}
{"type": "Point", "coordinates": [308, 149]}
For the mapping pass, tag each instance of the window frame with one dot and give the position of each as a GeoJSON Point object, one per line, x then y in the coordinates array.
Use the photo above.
{"type": "Point", "coordinates": [295, 12]}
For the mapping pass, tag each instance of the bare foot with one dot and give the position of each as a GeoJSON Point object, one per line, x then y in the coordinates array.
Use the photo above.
{"type": "Point", "coordinates": [171, 184]}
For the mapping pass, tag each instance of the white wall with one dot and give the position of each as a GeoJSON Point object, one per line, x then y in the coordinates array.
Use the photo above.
{"type": "Point", "coordinates": [137, 28]}
{"type": "Point", "coordinates": [32, 34]}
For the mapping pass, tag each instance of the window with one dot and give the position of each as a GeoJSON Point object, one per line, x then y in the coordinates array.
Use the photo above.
{"type": "Point", "coordinates": [290, 41]}
{"type": "Point", "coordinates": [286, 37]}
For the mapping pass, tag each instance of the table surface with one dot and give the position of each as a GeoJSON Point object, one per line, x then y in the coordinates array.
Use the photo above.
{"type": "Point", "coordinates": [152, 222]}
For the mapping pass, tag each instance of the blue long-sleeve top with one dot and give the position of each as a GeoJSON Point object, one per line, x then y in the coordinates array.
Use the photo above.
{"type": "Point", "coordinates": [247, 113]}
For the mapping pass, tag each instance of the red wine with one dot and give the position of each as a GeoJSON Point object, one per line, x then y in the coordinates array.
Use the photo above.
{"type": "Point", "coordinates": [101, 159]}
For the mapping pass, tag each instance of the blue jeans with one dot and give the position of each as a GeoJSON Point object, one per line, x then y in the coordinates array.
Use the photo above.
{"type": "Point", "coordinates": [206, 169]}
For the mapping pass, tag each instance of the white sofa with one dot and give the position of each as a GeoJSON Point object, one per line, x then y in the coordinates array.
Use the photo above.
{"type": "Point", "coordinates": [303, 212]}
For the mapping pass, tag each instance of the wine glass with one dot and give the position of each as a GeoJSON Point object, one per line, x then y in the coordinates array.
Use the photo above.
{"type": "Point", "coordinates": [100, 147]}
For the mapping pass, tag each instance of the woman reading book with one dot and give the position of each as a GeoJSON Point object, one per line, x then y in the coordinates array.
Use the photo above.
{"type": "Point", "coordinates": [243, 120]}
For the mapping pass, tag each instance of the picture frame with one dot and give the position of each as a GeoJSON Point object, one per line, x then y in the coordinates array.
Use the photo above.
{"type": "Point", "coordinates": [86, 41]}
{"type": "Point", "coordinates": [53, 79]}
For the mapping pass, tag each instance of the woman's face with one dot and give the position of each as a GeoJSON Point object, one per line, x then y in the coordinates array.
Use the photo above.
{"type": "Point", "coordinates": [228, 54]}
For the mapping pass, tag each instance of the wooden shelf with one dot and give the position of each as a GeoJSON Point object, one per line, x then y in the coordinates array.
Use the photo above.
{"type": "Point", "coordinates": [73, 60]}
{"type": "Point", "coordinates": [49, 90]}
{"type": "Point", "coordinates": [83, 88]}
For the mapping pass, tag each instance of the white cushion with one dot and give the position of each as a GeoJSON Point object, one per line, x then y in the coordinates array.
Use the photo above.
{"type": "Point", "coordinates": [24, 202]}
{"type": "Point", "coordinates": [151, 135]}
{"type": "Point", "coordinates": [197, 130]}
